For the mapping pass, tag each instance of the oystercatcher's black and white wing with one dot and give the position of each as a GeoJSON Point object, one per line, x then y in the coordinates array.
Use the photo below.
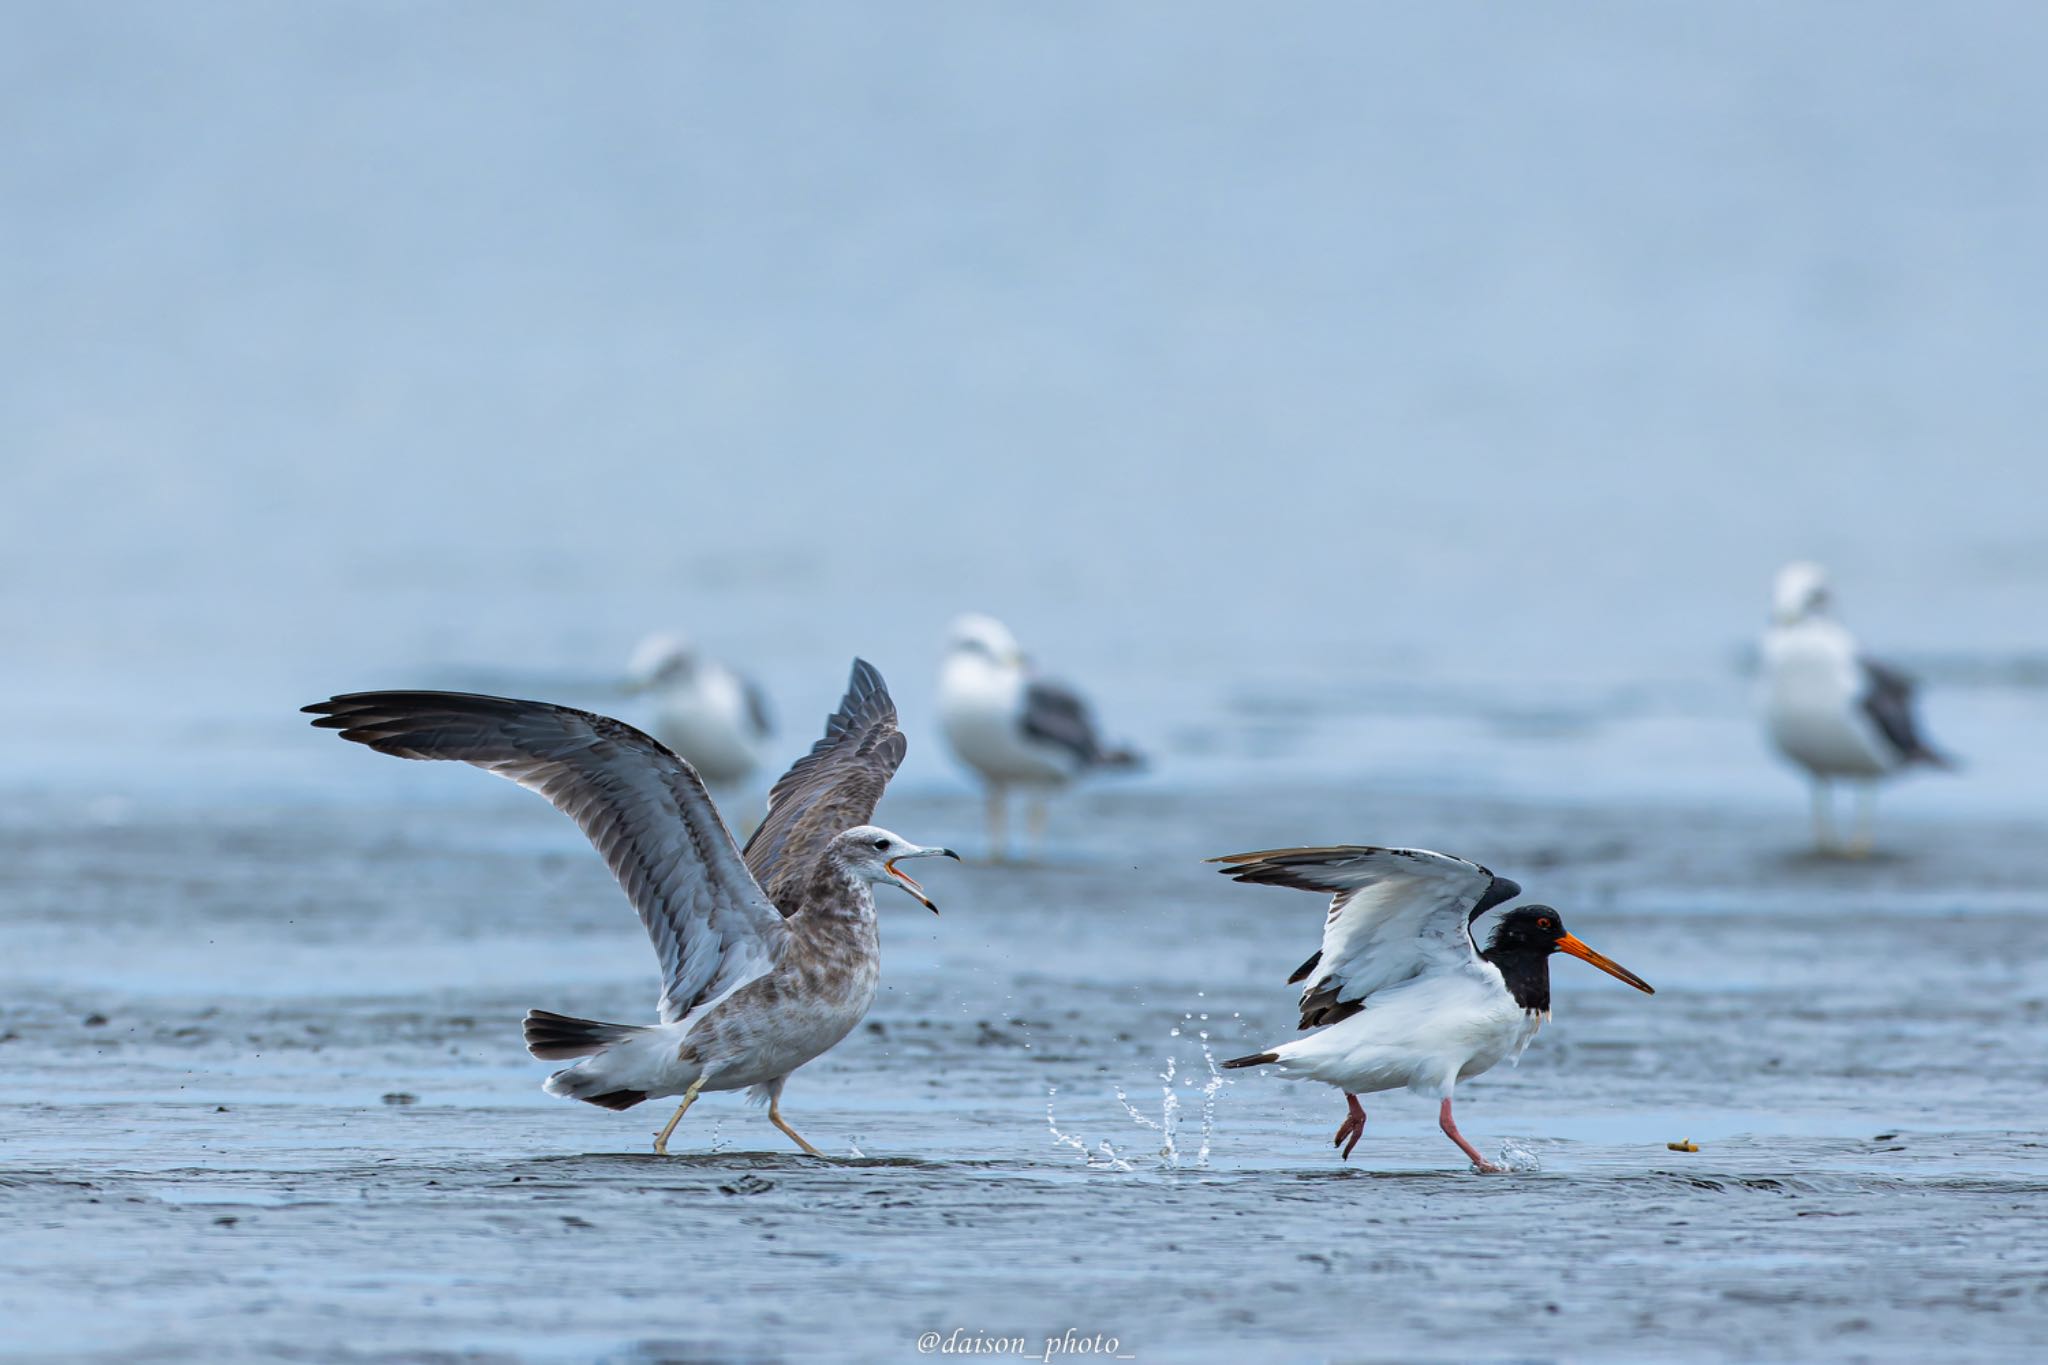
{"type": "Point", "coordinates": [1395, 914]}
{"type": "Point", "coordinates": [644, 809]}
{"type": "Point", "coordinates": [833, 788]}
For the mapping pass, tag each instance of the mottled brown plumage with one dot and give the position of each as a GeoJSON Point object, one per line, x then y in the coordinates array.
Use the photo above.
{"type": "Point", "coordinates": [832, 788]}
{"type": "Point", "coordinates": [753, 987]}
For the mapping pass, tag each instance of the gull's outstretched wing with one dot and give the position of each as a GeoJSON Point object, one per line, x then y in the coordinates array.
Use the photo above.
{"type": "Point", "coordinates": [1888, 701]}
{"type": "Point", "coordinates": [642, 806]}
{"type": "Point", "coordinates": [1395, 913]}
{"type": "Point", "coordinates": [829, 790]}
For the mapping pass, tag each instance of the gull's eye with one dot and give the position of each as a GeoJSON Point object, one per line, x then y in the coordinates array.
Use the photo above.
{"type": "Point", "coordinates": [881, 843]}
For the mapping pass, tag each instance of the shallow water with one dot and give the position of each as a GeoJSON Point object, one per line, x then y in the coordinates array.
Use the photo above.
{"type": "Point", "coordinates": [269, 1098]}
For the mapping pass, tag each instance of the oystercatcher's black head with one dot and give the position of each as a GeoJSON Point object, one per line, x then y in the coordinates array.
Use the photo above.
{"type": "Point", "coordinates": [1523, 940]}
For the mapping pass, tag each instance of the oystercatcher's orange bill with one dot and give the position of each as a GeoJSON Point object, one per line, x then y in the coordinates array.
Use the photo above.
{"type": "Point", "coordinates": [1570, 944]}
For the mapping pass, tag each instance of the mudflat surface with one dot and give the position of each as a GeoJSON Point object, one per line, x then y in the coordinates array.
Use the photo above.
{"type": "Point", "coordinates": [267, 1098]}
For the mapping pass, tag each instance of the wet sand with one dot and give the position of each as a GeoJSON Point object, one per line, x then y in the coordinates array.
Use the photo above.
{"type": "Point", "coordinates": [267, 1099]}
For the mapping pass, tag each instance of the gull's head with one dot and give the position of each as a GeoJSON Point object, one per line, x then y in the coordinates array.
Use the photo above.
{"type": "Point", "coordinates": [1538, 930]}
{"type": "Point", "coordinates": [1801, 591]}
{"type": "Point", "coordinates": [872, 854]}
{"type": "Point", "coordinates": [985, 637]}
{"type": "Point", "coordinates": [659, 659]}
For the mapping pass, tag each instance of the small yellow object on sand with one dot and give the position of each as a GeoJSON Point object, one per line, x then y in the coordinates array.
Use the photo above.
{"type": "Point", "coordinates": [1686, 1146]}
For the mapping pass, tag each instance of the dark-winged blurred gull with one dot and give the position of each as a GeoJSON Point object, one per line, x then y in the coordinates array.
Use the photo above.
{"type": "Point", "coordinates": [769, 959]}
{"type": "Point", "coordinates": [1399, 993]}
{"type": "Point", "coordinates": [712, 715]}
{"type": "Point", "coordinates": [1832, 710]}
{"type": "Point", "coordinates": [1013, 728]}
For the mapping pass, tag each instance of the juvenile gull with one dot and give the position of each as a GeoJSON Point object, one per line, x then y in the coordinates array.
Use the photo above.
{"type": "Point", "coordinates": [1399, 993]}
{"type": "Point", "coordinates": [1835, 712]}
{"type": "Point", "coordinates": [1013, 728]}
{"type": "Point", "coordinates": [713, 716]}
{"type": "Point", "coordinates": [768, 959]}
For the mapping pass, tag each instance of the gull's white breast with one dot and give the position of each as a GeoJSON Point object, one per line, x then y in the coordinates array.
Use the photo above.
{"type": "Point", "coordinates": [1813, 702]}
{"type": "Point", "coordinates": [981, 709]}
{"type": "Point", "coordinates": [706, 719]}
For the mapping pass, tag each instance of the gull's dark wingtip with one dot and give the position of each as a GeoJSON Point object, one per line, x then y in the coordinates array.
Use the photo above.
{"type": "Point", "coordinates": [333, 714]}
{"type": "Point", "coordinates": [337, 712]}
{"type": "Point", "coordinates": [864, 680]}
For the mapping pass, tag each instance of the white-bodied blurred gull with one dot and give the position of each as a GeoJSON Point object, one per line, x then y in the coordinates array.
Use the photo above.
{"type": "Point", "coordinates": [768, 959]}
{"type": "Point", "coordinates": [1833, 710]}
{"type": "Point", "coordinates": [712, 715]}
{"type": "Point", "coordinates": [1013, 728]}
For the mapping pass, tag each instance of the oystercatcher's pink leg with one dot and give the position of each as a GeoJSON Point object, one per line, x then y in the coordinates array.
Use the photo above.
{"type": "Point", "coordinates": [1450, 1127]}
{"type": "Point", "coordinates": [1354, 1125]}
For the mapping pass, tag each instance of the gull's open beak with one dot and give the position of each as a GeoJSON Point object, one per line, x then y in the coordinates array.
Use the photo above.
{"type": "Point", "coordinates": [909, 882]}
{"type": "Point", "coordinates": [1570, 944]}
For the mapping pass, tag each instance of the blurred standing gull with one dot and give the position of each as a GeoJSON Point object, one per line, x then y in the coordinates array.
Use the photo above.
{"type": "Point", "coordinates": [767, 961]}
{"type": "Point", "coordinates": [708, 713]}
{"type": "Point", "coordinates": [1401, 990]}
{"type": "Point", "coordinates": [1833, 711]}
{"type": "Point", "coordinates": [1012, 728]}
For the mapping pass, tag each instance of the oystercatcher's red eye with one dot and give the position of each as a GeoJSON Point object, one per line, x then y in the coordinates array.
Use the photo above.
{"type": "Point", "coordinates": [1542, 924]}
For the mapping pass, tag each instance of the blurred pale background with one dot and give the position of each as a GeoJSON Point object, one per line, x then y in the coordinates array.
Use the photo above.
{"type": "Point", "coordinates": [1394, 394]}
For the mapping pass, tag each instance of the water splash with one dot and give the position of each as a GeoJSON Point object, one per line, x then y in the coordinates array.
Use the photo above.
{"type": "Point", "coordinates": [1515, 1157]}
{"type": "Point", "coordinates": [1211, 1088]}
{"type": "Point", "coordinates": [1104, 1158]}
{"type": "Point", "coordinates": [1167, 1125]}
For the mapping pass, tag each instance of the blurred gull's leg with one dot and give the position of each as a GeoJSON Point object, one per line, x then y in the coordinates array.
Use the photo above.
{"type": "Point", "coordinates": [1866, 819]}
{"type": "Point", "coordinates": [1823, 816]}
{"type": "Point", "coordinates": [995, 822]}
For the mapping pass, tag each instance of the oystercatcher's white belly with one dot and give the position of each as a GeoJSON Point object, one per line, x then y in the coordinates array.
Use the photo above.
{"type": "Point", "coordinates": [1425, 1036]}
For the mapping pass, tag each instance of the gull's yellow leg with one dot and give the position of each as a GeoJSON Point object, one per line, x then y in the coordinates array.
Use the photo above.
{"type": "Point", "coordinates": [1823, 817]}
{"type": "Point", "coordinates": [1863, 841]}
{"type": "Point", "coordinates": [689, 1098]}
{"type": "Point", "coordinates": [775, 1117]}
{"type": "Point", "coordinates": [997, 852]}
